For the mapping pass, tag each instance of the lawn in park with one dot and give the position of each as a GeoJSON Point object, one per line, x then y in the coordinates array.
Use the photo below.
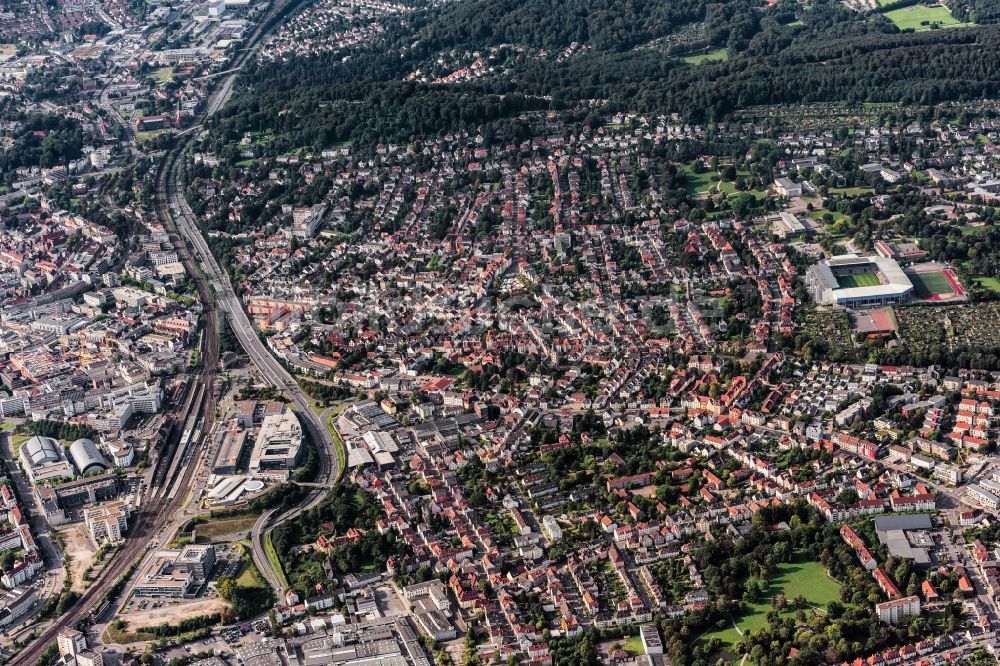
{"type": "Point", "coordinates": [697, 183]}
{"type": "Point", "coordinates": [162, 74]}
{"type": "Point", "coordinates": [990, 283]}
{"type": "Point", "coordinates": [930, 284]}
{"type": "Point", "coordinates": [860, 280]}
{"type": "Point", "coordinates": [726, 187]}
{"type": "Point", "coordinates": [798, 577]}
{"type": "Point", "coordinates": [922, 17]}
{"type": "Point", "coordinates": [715, 55]}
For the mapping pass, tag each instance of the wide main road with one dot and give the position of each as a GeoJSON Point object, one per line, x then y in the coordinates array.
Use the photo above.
{"type": "Point", "coordinates": [181, 219]}
{"type": "Point", "coordinates": [156, 513]}
{"type": "Point", "coordinates": [273, 371]}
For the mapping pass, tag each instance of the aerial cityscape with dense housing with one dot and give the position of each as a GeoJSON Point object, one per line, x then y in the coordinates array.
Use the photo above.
{"type": "Point", "coordinates": [538, 332]}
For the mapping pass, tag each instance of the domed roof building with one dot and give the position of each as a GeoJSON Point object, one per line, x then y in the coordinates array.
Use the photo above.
{"type": "Point", "coordinates": [86, 456]}
{"type": "Point", "coordinates": [42, 458]}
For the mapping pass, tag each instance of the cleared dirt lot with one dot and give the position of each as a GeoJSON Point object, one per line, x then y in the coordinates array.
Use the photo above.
{"type": "Point", "coordinates": [389, 602]}
{"type": "Point", "coordinates": [172, 612]}
{"type": "Point", "coordinates": [81, 552]}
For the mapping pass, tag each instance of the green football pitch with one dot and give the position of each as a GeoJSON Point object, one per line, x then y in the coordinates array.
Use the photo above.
{"type": "Point", "coordinates": [860, 280]}
{"type": "Point", "coordinates": [930, 284]}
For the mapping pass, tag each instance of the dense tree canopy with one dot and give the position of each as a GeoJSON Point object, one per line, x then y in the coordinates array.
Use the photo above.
{"type": "Point", "coordinates": [831, 53]}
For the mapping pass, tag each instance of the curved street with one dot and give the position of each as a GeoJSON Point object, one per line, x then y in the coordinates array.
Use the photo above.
{"type": "Point", "coordinates": [177, 212]}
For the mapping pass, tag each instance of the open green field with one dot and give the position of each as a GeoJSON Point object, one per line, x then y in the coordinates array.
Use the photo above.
{"type": "Point", "coordinates": [633, 645]}
{"type": "Point", "coordinates": [150, 135]}
{"type": "Point", "coordinates": [851, 191]}
{"type": "Point", "coordinates": [798, 577]}
{"type": "Point", "coordinates": [990, 283]}
{"type": "Point", "coordinates": [920, 17]}
{"type": "Point", "coordinates": [861, 280]}
{"type": "Point", "coordinates": [216, 527]}
{"type": "Point", "coordinates": [838, 217]}
{"type": "Point", "coordinates": [249, 577]}
{"type": "Point", "coordinates": [969, 230]}
{"type": "Point", "coordinates": [163, 74]}
{"type": "Point", "coordinates": [929, 284]}
{"type": "Point", "coordinates": [699, 183]}
{"type": "Point", "coordinates": [715, 55]}
{"type": "Point", "coordinates": [16, 441]}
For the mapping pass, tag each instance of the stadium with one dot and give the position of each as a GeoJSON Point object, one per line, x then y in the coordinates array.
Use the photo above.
{"type": "Point", "coordinates": [851, 281]}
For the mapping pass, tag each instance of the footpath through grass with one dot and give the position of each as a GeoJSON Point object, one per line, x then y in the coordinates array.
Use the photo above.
{"type": "Point", "coordinates": [799, 577]}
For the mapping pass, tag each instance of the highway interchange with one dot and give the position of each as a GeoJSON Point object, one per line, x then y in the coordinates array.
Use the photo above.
{"type": "Point", "coordinates": [160, 513]}
{"type": "Point", "coordinates": [225, 299]}
{"type": "Point", "coordinates": [176, 212]}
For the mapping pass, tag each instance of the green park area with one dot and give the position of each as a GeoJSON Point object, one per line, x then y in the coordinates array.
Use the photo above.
{"type": "Point", "coordinates": [715, 55]}
{"type": "Point", "coordinates": [800, 577]}
{"type": "Point", "coordinates": [162, 74]}
{"type": "Point", "coordinates": [708, 181]}
{"type": "Point", "coordinates": [860, 280]}
{"type": "Point", "coordinates": [699, 183]}
{"type": "Point", "coordinates": [990, 283]}
{"type": "Point", "coordinates": [923, 17]}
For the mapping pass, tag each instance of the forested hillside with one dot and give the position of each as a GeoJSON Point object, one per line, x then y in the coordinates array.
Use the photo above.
{"type": "Point", "coordinates": [607, 25]}
{"type": "Point", "coordinates": [977, 11]}
{"type": "Point", "coordinates": [781, 54]}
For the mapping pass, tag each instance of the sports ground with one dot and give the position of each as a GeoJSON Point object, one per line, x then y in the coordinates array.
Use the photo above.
{"type": "Point", "coordinates": [935, 285]}
{"type": "Point", "coordinates": [860, 280]}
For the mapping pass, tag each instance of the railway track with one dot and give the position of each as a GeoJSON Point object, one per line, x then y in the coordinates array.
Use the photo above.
{"type": "Point", "coordinates": [175, 479]}
{"type": "Point", "coordinates": [150, 519]}
{"type": "Point", "coordinates": [171, 494]}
